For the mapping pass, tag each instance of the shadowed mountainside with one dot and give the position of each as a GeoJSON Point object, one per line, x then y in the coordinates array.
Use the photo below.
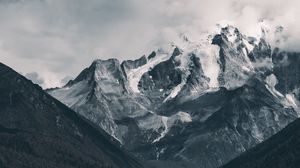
{"type": "Point", "coordinates": [36, 130]}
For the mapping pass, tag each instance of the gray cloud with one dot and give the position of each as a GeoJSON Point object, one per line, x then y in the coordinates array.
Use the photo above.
{"type": "Point", "coordinates": [57, 38]}
{"type": "Point", "coordinates": [66, 79]}
{"type": "Point", "coordinates": [35, 78]}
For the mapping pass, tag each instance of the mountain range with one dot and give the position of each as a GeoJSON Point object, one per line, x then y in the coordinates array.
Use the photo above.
{"type": "Point", "coordinates": [229, 100]}
{"type": "Point", "coordinates": [198, 103]}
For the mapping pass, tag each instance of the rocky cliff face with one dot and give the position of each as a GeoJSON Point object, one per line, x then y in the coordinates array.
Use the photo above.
{"type": "Point", "coordinates": [201, 102]}
{"type": "Point", "coordinates": [223, 124]}
{"type": "Point", "coordinates": [287, 70]}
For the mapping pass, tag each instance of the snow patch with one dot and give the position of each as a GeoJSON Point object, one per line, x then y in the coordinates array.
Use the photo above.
{"type": "Point", "coordinates": [184, 60]}
{"type": "Point", "coordinates": [135, 75]}
{"type": "Point", "coordinates": [271, 82]}
{"type": "Point", "coordinates": [249, 46]}
{"type": "Point", "coordinates": [160, 152]}
{"type": "Point", "coordinates": [291, 100]}
{"type": "Point", "coordinates": [209, 55]}
{"type": "Point", "coordinates": [184, 117]}
{"type": "Point", "coordinates": [246, 69]}
{"type": "Point", "coordinates": [164, 121]}
{"type": "Point", "coordinates": [231, 36]}
{"type": "Point", "coordinates": [175, 91]}
{"type": "Point", "coordinates": [168, 122]}
{"type": "Point", "coordinates": [288, 100]}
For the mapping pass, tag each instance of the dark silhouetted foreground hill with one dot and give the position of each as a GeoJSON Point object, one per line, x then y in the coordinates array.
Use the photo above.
{"type": "Point", "coordinates": [37, 131]}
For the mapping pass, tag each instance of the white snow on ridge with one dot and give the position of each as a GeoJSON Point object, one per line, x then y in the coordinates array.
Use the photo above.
{"type": "Point", "coordinates": [209, 55]}
{"type": "Point", "coordinates": [272, 81]}
{"type": "Point", "coordinates": [135, 75]}
{"type": "Point", "coordinates": [175, 91]}
{"type": "Point", "coordinates": [165, 124]}
{"type": "Point", "coordinates": [291, 100]}
{"type": "Point", "coordinates": [184, 60]}
{"type": "Point", "coordinates": [288, 100]}
{"type": "Point", "coordinates": [232, 36]}
{"type": "Point", "coordinates": [249, 46]}
{"type": "Point", "coordinates": [168, 122]}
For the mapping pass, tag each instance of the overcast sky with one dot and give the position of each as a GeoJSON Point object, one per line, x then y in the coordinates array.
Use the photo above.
{"type": "Point", "coordinates": [52, 40]}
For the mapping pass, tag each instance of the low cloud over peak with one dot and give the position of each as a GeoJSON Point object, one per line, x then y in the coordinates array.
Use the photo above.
{"type": "Point", "coordinates": [58, 38]}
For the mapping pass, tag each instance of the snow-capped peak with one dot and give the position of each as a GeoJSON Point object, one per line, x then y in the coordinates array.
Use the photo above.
{"type": "Point", "coordinates": [134, 75]}
{"type": "Point", "coordinates": [234, 60]}
{"type": "Point", "coordinates": [236, 45]}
